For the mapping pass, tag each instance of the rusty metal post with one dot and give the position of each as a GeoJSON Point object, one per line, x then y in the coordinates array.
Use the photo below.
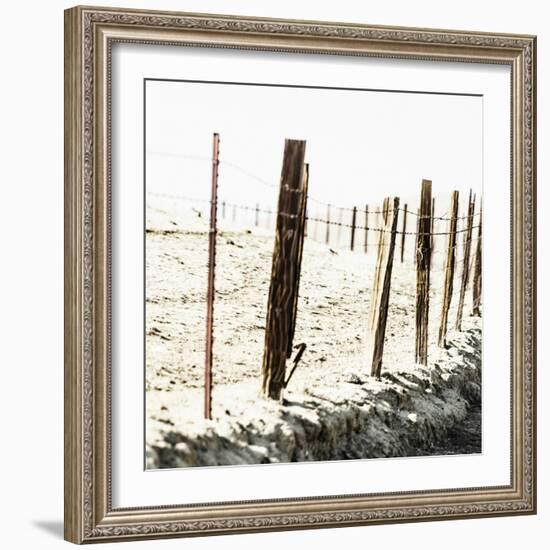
{"type": "Point", "coordinates": [211, 273]}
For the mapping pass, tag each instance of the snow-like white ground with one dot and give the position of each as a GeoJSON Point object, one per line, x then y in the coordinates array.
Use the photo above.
{"type": "Point", "coordinates": [331, 389]}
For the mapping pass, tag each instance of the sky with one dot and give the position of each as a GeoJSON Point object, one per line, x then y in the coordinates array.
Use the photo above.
{"type": "Point", "coordinates": [361, 145]}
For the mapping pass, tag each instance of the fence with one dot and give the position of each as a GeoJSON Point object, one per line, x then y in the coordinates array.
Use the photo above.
{"type": "Point", "coordinates": [340, 228]}
{"type": "Point", "coordinates": [266, 218]}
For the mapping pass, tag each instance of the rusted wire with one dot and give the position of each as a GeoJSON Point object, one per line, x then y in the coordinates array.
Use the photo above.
{"type": "Point", "coordinates": [311, 218]}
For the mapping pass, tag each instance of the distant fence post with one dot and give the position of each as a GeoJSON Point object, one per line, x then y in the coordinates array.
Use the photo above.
{"type": "Point", "coordinates": [476, 288]}
{"type": "Point", "coordinates": [466, 260]}
{"type": "Point", "coordinates": [403, 233]}
{"type": "Point", "coordinates": [282, 300]}
{"type": "Point", "coordinates": [210, 286]}
{"type": "Point", "coordinates": [382, 283]}
{"type": "Point", "coordinates": [423, 264]}
{"type": "Point", "coordinates": [449, 271]}
{"type": "Point", "coordinates": [327, 236]}
{"type": "Point", "coordinates": [366, 228]}
{"type": "Point", "coordinates": [353, 224]}
{"type": "Point", "coordinates": [340, 222]}
{"type": "Point", "coordinates": [223, 209]}
{"type": "Point", "coordinates": [257, 215]}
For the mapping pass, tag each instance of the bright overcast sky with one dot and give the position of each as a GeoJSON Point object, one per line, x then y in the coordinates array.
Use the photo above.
{"type": "Point", "coordinates": [361, 145]}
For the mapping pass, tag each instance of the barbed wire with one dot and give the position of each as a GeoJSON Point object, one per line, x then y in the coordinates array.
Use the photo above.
{"type": "Point", "coordinates": [369, 228]}
{"type": "Point", "coordinates": [439, 218]}
{"type": "Point", "coordinates": [310, 218]}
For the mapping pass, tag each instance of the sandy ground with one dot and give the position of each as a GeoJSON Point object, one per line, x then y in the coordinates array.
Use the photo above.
{"type": "Point", "coordinates": [335, 293]}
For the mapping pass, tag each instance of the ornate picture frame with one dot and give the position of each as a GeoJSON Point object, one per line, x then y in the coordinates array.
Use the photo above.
{"type": "Point", "coordinates": [90, 34]}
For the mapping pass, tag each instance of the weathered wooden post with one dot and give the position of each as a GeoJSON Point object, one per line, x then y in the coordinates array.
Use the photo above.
{"type": "Point", "coordinates": [353, 223]}
{"type": "Point", "coordinates": [449, 271]}
{"type": "Point", "coordinates": [300, 237]}
{"type": "Point", "coordinates": [283, 290]}
{"type": "Point", "coordinates": [382, 283]}
{"type": "Point", "coordinates": [327, 236]}
{"type": "Point", "coordinates": [476, 288]}
{"type": "Point", "coordinates": [223, 210]}
{"type": "Point", "coordinates": [210, 285]}
{"type": "Point", "coordinates": [432, 225]}
{"type": "Point", "coordinates": [257, 215]}
{"type": "Point", "coordinates": [466, 260]}
{"type": "Point", "coordinates": [403, 232]}
{"type": "Point", "coordinates": [366, 228]}
{"type": "Point", "coordinates": [415, 248]}
{"type": "Point", "coordinates": [423, 265]}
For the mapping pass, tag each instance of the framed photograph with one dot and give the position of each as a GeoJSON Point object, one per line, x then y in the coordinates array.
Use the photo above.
{"type": "Point", "coordinates": [300, 274]}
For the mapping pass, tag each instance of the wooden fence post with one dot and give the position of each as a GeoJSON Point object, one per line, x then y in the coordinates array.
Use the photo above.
{"type": "Point", "coordinates": [466, 260]}
{"type": "Point", "coordinates": [223, 209]}
{"type": "Point", "coordinates": [340, 222]}
{"type": "Point", "coordinates": [382, 283]}
{"type": "Point", "coordinates": [476, 288]}
{"type": "Point", "coordinates": [282, 300]}
{"type": "Point", "coordinates": [257, 215]}
{"type": "Point", "coordinates": [449, 271]}
{"type": "Point", "coordinates": [210, 285]}
{"type": "Point", "coordinates": [404, 231]}
{"type": "Point", "coordinates": [300, 238]}
{"type": "Point", "coordinates": [432, 224]}
{"type": "Point", "coordinates": [353, 223]}
{"type": "Point", "coordinates": [423, 264]}
{"type": "Point", "coordinates": [327, 236]}
{"type": "Point", "coordinates": [366, 228]}
{"type": "Point", "coordinates": [415, 248]}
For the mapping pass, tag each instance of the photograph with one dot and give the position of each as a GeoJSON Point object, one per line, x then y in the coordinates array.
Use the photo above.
{"type": "Point", "coordinates": [300, 271]}
{"type": "Point", "coordinates": [313, 273]}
